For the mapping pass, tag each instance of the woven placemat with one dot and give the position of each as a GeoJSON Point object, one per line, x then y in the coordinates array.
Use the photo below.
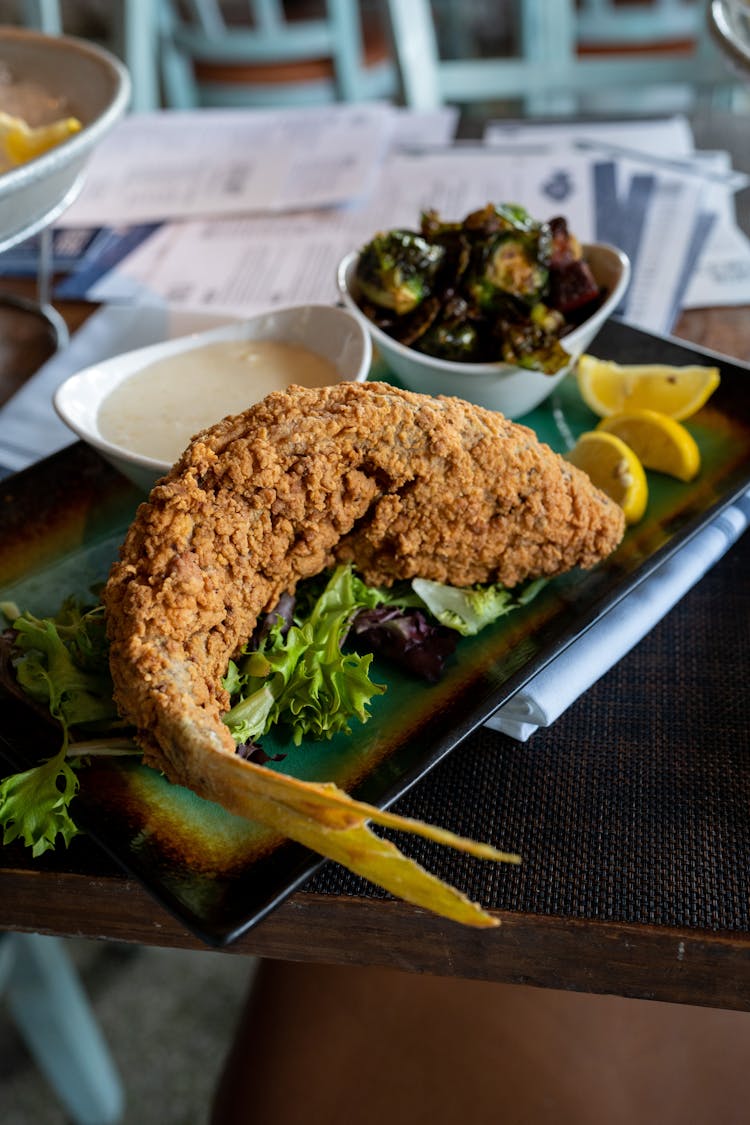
{"type": "Point", "coordinates": [635, 805]}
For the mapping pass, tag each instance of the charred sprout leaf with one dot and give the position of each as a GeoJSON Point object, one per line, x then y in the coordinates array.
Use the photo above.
{"type": "Point", "coordinates": [510, 266]}
{"type": "Point", "coordinates": [528, 345]}
{"type": "Point", "coordinates": [516, 216]}
{"type": "Point", "coordinates": [497, 217]}
{"type": "Point", "coordinates": [396, 270]}
{"type": "Point", "coordinates": [409, 329]}
{"type": "Point", "coordinates": [548, 320]}
{"type": "Point", "coordinates": [455, 340]}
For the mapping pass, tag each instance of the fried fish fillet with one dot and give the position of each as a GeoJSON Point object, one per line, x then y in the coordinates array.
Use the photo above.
{"type": "Point", "coordinates": [403, 484]}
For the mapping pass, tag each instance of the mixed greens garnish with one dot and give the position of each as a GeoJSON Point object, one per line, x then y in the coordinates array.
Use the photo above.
{"type": "Point", "coordinates": [497, 286]}
{"type": "Point", "coordinates": [60, 664]}
{"type": "Point", "coordinates": [306, 671]}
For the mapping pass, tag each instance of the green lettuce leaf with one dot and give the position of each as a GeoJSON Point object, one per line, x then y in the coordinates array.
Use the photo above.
{"type": "Point", "coordinates": [34, 805]}
{"type": "Point", "coordinates": [470, 609]}
{"type": "Point", "coordinates": [303, 680]}
{"type": "Point", "coordinates": [62, 664]}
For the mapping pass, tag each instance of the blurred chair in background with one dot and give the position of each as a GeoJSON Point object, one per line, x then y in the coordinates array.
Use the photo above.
{"type": "Point", "coordinates": [51, 1011]}
{"type": "Point", "coordinates": [130, 29]}
{"type": "Point", "coordinates": [657, 24]}
{"type": "Point", "coordinates": [44, 15]}
{"type": "Point", "coordinates": [592, 56]}
{"type": "Point", "coordinates": [267, 53]}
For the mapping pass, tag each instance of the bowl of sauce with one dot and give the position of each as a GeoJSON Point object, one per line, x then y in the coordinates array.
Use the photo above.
{"type": "Point", "coordinates": [141, 409]}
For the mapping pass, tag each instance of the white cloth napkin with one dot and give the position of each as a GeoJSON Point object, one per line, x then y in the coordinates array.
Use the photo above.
{"type": "Point", "coordinates": [597, 650]}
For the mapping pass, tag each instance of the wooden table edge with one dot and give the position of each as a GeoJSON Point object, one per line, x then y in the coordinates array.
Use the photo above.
{"type": "Point", "coordinates": [633, 960]}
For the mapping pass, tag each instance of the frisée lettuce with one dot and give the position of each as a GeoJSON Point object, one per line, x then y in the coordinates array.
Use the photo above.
{"type": "Point", "coordinates": [299, 675]}
{"type": "Point", "coordinates": [468, 610]}
{"type": "Point", "coordinates": [61, 664]}
{"type": "Point", "coordinates": [299, 672]}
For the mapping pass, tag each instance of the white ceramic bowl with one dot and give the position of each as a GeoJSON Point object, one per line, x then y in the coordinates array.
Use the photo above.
{"type": "Point", "coordinates": [499, 386]}
{"type": "Point", "coordinates": [331, 332]}
{"type": "Point", "coordinates": [94, 87]}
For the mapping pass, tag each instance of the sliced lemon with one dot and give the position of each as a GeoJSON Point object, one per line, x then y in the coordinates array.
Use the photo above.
{"type": "Point", "coordinates": [611, 388]}
{"type": "Point", "coordinates": [21, 143]}
{"type": "Point", "coordinates": [613, 466]}
{"type": "Point", "coordinates": [658, 441]}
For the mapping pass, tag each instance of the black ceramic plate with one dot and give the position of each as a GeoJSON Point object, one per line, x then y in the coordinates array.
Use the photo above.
{"type": "Point", "coordinates": [64, 518]}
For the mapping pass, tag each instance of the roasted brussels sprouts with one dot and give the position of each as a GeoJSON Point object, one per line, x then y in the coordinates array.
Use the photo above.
{"type": "Point", "coordinates": [498, 217]}
{"type": "Point", "coordinates": [496, 286]}
{"type": "Point", "coordinates": [528, 345]}
{"type": "Point", "coordinates": [397, 269]}
{"type": "Point", "coordinates": [455, 340]}
{"type": "Point", "coordinates": [572, 284]}
{"type": "Point", "coordinates": [509, 266]}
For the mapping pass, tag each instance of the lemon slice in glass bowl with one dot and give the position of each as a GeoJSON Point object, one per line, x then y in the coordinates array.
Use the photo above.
{"type": "Point", "coordinates": [19, 142]}
{"type": "Point", "coordinates": [658, 441]}
{"type": "Point", "coordinates": [610, 388]}
{"type": "Point", "coordinates": [614, 467]}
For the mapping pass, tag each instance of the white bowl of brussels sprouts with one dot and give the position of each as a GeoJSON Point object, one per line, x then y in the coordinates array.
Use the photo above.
{"type": "Point", "coordinates": [505, 305]}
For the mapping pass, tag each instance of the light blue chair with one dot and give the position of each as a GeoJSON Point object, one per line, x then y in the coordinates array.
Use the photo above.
{"type": "Point", "coordinates": [135, 38]}
{"type": "Point", "coordinates": [549, 74]}
{"type": "Point", "coordinates": [270, 59]}
{"type": "Point", "coordinates": [49, 1007]}
{"type": "Point", "coordinates": [604, 23]}
{"type": "Point", "coordinates": [186, 55]}
{"type": "Point", "coordinates": [44, 15]}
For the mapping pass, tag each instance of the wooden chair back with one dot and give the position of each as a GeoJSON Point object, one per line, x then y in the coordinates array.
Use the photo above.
{"type": "Point", "coordinates": [271, 58]}
{"type": "Point", "coordinates": [567, 54]}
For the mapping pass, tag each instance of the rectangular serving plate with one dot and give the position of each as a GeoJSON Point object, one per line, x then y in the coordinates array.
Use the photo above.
{"type": "Point", "coordinates": [64, 518]}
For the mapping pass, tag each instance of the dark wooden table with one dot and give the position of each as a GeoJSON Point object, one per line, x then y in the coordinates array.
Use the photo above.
{"type": "Point", "coordinates": [83, 892]}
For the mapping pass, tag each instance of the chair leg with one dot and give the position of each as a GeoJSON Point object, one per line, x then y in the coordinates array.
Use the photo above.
{"type": "Point", "coordinates": [43, 15]}
{"type": "Point", "coordinates": [177, 78]}
{"type": "Point", "coordinates": [548, 36]}
{"type": "Point", "coordinates": [416, 51]}
{"type": "Point", "coordinates": [140, 36]}
{"type": "Point", "coordinates": [53, 1015]}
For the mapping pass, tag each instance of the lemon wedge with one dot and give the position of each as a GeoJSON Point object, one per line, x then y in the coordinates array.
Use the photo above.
{"type": "Point", "coordinates": [658, 441]}
{"type": "Point", "coordinates": [610, 388]}
{"type": "Point", "coordinates": [613, 466]}
{"type": "Point", "coordinates": [21, 143]}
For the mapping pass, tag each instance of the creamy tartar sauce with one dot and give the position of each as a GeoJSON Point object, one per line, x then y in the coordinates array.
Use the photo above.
{"type": "Point", "coordinates": [158, 409]}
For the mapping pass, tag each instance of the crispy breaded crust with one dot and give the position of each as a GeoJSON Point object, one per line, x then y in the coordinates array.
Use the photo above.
{"type": "Point", "coordinates": [401, 483]}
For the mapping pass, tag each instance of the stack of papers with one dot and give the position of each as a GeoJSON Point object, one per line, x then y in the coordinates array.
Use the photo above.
{"type": "Point", "coordinates": [668, 206]}
{"type": "Point", "coordinates": [238, 211]}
